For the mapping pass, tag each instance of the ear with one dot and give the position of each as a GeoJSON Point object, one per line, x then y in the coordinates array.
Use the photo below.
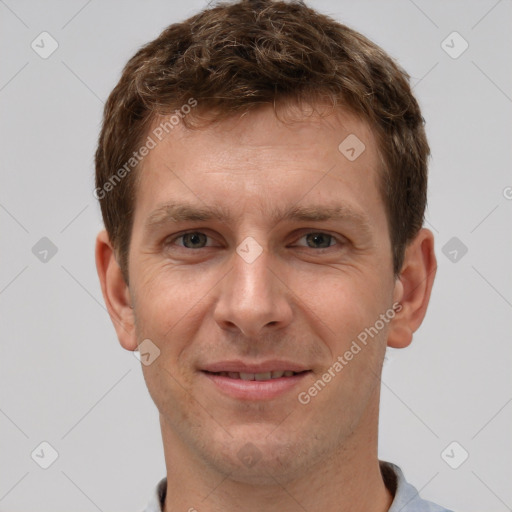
{"type": "Point", "coordinates": [116, 293]}
{"type": "Point", "coordinates": [413, 288]}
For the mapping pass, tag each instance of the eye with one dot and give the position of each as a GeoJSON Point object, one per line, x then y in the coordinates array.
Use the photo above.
{"type": "Point", "coordinates": [191, 240]}
{"type": "Point", "coordinates": [319, 240]}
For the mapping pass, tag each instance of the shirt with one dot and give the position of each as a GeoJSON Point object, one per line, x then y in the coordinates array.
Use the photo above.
{"type": "Point", "coordinates": [406, 497]}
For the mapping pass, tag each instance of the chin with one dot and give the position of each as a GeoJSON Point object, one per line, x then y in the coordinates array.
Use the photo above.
{"type": "Point", "coordinates": [257, 456]}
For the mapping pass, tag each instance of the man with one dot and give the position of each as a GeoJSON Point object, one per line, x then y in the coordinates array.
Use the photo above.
{"type": "Point", "coordinates": [262, 176]}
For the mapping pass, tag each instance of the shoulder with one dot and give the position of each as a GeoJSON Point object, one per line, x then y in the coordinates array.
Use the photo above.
{"type": "Point", "coordinates": [406, 496]}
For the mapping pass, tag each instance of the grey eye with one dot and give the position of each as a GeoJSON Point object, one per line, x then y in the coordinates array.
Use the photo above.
{"type": "Point", "coordinates": [319, 240]}
{"type": "Point", "coordinates": [194, 239]}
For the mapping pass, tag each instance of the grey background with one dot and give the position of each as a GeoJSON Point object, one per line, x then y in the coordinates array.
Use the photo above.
{"type": "Point", "coordinates": [64, 377]}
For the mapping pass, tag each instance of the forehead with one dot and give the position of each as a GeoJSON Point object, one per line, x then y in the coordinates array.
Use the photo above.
{"type": "Point", "coordinates": [267, 159]}
{"type": "Point", "coordinates": [265, 127]}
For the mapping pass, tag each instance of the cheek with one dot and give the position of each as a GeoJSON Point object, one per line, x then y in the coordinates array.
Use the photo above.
{"type": "Point", "coordinates": [169, 300]}
{"type": "Point", "coordinates": [347, 320]}
{"type": "Point", "coordinates": [345, 302]}
{"type": "Point", "coordinates": [168, 310]}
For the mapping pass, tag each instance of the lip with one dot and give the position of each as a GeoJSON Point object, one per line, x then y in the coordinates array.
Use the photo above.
{"type": "Point", "coordinates": [263, 367]}
{"type": "Point", "coordinates": [255, 389]}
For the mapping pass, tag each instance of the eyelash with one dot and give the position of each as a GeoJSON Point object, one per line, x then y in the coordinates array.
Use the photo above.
{"type": "Point", "coordinates": [339, 241]}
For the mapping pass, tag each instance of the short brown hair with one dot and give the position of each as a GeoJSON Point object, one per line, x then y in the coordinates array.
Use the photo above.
{"type": "Point", "coordinates": [234, 57]}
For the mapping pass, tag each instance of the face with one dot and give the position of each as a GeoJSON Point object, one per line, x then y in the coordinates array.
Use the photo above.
{"type": "Point", "coordinates": [290, 268]}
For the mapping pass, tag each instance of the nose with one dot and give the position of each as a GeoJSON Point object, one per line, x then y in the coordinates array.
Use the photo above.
{"type": "Point", "coordinates": [254, 298]}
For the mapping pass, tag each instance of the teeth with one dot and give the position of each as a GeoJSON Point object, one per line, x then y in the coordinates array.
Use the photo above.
{"type": "Point", "coordinates": [277, 374]}
{"type": "Point", "coordinates": [262, 376]}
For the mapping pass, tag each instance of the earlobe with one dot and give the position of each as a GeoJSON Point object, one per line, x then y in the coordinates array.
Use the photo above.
{"type": "Point", "coordinates": [413, 286]}
{"type": "Point", "coordinates": [115, 292]}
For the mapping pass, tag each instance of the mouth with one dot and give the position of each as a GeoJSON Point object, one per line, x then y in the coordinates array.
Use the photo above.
{"type": "Point", "coordinates": [255, 386]}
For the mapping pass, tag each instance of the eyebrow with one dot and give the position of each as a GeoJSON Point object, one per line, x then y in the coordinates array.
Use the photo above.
{"type": "Point", "coordinates": [173, 212]}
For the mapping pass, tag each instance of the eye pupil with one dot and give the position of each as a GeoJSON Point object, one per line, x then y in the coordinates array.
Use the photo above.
{"type": "Point", "coordinates": [193, 237]}
{"type": "Point", "coordinates": [321, 236]}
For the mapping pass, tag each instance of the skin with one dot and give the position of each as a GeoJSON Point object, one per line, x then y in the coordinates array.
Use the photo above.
{"type": "Point", "coordinates": [302, 299]}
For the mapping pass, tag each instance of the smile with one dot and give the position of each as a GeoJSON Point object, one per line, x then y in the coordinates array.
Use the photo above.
{"type": "Point", "coordinates": [255, 386]}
